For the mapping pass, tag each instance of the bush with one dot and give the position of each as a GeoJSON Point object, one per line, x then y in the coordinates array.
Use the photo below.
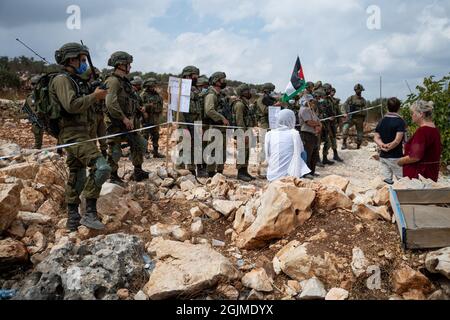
{"type": "Point", "coordinates": [439, 93]}
{"type": "Point", "coordinates": [9, 79]}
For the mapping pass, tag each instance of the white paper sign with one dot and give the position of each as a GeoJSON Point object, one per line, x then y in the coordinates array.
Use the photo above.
{"type": "Point", "coordinates": [174, 87]}
{"type": "Point", "coordinates": [273, 116]}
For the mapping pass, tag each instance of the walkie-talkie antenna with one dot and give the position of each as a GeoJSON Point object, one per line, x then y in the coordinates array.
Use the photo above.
{"type": "Point", "coordinates": [37, 54]}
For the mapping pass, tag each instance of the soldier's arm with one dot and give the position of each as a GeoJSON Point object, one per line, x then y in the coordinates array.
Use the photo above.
{"type": "Point", "coordinates": [239, 111]}
{"type": "Point", "coordinates": [262, 107]}
{"type": "Point", "coordinates": [67, 96]}
{"type": "Point", "coordinates": [210, 111]}
{"type": "Point", "coordinates": [112, 99]}
{"type": "Point", "coordinates": [347, 105]}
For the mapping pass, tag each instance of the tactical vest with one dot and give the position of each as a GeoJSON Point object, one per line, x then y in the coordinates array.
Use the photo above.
{"type": "Point", "coordinates": [357, 104]}
{"type": "Point", "coordinates": [248, 114]}
{"type": "Point", "coordinates": [127, 98]}
{"type": "Point", "coordinates": [223, 107]}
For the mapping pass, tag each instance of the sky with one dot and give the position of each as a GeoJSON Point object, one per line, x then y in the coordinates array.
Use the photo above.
{"type": "Point", "coordinates": [257, 41]}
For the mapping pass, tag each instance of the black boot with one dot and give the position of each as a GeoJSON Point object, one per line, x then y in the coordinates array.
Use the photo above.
{"type": "Point", "coordinates": [244, 175]}
{"type": "Point", "coordinates": [358, 146]}
{"type": "Point", "coordinates": [90, 219]}
{"type": "Point", "coordinates": [336, 156]}
{"type": "Point", "coordinates": [139, 174]}
{"type": "Point", "coordinates": [344, 145]}
{"type": "Point", "coordinates": [116, 179]}
{"type": "Point", "coordinates": [73, 220]}
{"type": "Point", "coordinates": [156, 154]}
{"type": "Point", "coordinates": [201, 172]}
{"type": "Point", "coordinates": [325, 161]}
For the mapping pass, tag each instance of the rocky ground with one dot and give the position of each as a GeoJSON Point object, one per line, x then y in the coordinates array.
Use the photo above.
{"type": "Point", "coordinates": [174, 236]}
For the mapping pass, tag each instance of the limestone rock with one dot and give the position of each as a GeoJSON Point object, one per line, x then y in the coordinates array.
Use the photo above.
{"type": "Point", "coordinates": [226, 207]}
{"type": "Point", "coordinates": [414, 294]}
{"type": "Point", "coordinates": [183, 269]}
{"type": "Point", "coordinates": [140, 296]}
{"type": "Point", "coordinates": [439, 262]}
{"type": "Point", "coordinates": [359, 262]}
{"type": "Point", "coordinates": [245, 216]}
{"type": "Point", "coordinates": [49, 174]}
{"type": "Point", "coordinates": [187, 185]}
{"type": "Point", "coordinates": [331, 198]}
{"type": "Point", "coordinates": [258, 279]}
{"type": "Point", "coordinates": [406, 279]}
{"type": "Point", "coordinates": [197, 227]}
{"type": "Point", "coordinates": [94, 269]}
{"type": "Point", "coordinates": [49, 208]}
{"type": "Point", "coordinates": [369, 212]}
{"type": "Point", "coordinates": [214, 215]}
{"type": "Point", "coordinates": [382, 196]}
{"type": "Point", "coordinates": [227, 291]}
{"type": "Point", "coordinates": [336, 181]}
{"type": "Point", "coordinates": [180, 234]}
{"type": "Point", "coordinates": [25, 171]}
{"type": "Point", "coordinates": [39, 243]}
{"type": "Point", "coordinates": [337, 294]}
{"type": "Point", "coordinates": [295, 261]}
{"type": "Point", "coordinates": [162, 230]}
{"type": "Point", "coordinates": [29, 218]}
{"type": "Point", "coordinates": [16, 229]}
{"type": "Point", "coordinates": [111, 188]}
{"type": "Point", "coordinates": [196, 212]}
{"type": "Point", "coordinates": [255, 296]}
{"type": "Point", "coordinates": [123, 294]}
{"type": "Point", "coordinates": [283, 208]}
{"type": "Point", "coordinates": [31, 199]}
{"type": "Point", "coordinates": [12, 252]}
{"type": "Point", "coordinates": [9, 204]}
{"type": "Point", "coordinates": [312, 289]}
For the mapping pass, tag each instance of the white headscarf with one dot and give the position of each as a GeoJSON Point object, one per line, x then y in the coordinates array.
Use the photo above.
{"type": "Point", "coordinates": [286, 119]}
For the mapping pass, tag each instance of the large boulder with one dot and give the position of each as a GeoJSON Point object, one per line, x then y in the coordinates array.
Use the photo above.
{"type": "Point", "coordinates": [331, 198]}
{"type": "Point", "coordinates": [184, 269]}
{"type": "Point", "coordinates": [336, 181]}
{"type": "Point", "coordinates": [283, 207]}
{"type": "Point", "coordinates": [439, 262]}
{"type": "Point", "coordinates": [295, 261]}
{"type": "Point", "coordinates": [12, 253]}
{"type": "Point", "coordinates": [93, 269]}
{"type": "Point", "coordinates": [9, 204]}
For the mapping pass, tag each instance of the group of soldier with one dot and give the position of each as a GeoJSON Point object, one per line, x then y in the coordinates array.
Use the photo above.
{"type": "Point", "coordinates": [86, 111]}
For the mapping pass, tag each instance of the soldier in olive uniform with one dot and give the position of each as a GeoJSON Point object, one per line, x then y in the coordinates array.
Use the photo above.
{"type": "Point", "coordinates": [72, 94]}
{"type": "Point", "coordinates": [38, 132]}
{"type": "Point", "coordinates": [122, 110]}
{"type": "Point", "coordinates": [326, 111]}
{"type": "Point", "coordinates": [153, 108]}
{"type": "Point", "coordinates": [214, 105]}
{"type": "Point", "coordinates": [245, 120]}
{"type": "Point", "coordinates": [263, 103]}
{"type": "Point", "coordinates": [355, 103]}
{"type": "Point", "coordinates": [335, 123]}
{"type": "Point", "coordinates": [203, 84]}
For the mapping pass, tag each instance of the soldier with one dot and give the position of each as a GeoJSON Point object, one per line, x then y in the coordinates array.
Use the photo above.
{"type": "Point", "coordinates": [122, 109]}
{"type": "Point", "coordinates": [215, 104]}
{"type": "Point", "coordinates": [336, 123]}
{"type": "Point", "coordinates": [355, 103]}
{"type": "Point", "coordinates": [38, 132]}
{"type": "Point", "coordinates": [203, 84]}
{"type": "Point", "coordinates": [72, 94]}
{"type": "Point", "coordinates": [325, 111]}
{"type": "Point", "coordinates": [153, 108]}
{"type": "Point", "coordinates": [263, 103]}
{"type": "Point", "coordinates": [317, 85]}
{"type": "Point", "coordinates": [243, 119]}
{"type": "Point", "coordinates": [137, 83]}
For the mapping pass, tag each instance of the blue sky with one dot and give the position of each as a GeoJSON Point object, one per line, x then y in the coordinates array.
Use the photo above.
{"type": "Point", "coordinates": [252, 41]}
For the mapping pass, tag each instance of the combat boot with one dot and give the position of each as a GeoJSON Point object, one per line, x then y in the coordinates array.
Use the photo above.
{"type": "Point", "coordinates": [73, 220]}
{"type": "Point", "coordinates": [116, 179]}
{"type": "Point", "coordinates": [358, 146]}
{"type": "Point", "coordinates": [139, 174]}
{"type": "Point", "coordinates": [325, 161]}
{"type": "Point", "coordinates": [90, 219]}
{"type": "Point", "coordinates": [344, 145]}
{"type": "Point", "coordinates": [244, 175]}
{"type": "Point", "coordinates": [336, 156]}
{"type": "Point", "coordinates": [156, 154]}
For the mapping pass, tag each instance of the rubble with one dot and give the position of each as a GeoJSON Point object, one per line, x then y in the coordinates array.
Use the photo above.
{"type": "Point", "coordinates": [9, 203]}
{"type": "Point", "coordinates": [312, 289]}
{"type": "Point", "coordinates": [12, 252]}
{"type": "Point", "coordinates": [439, 262]}
{"type": "Point", "coordinates": [406, 279]}
{"type": "Point", "coordinates": [258, 279]}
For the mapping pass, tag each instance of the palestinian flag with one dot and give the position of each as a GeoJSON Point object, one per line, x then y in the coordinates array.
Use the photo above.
{"type": "Point", "coordinates": [297, 83]}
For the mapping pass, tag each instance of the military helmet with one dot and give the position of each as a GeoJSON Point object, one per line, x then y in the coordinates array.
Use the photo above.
{"type": "Point", "coordinates": [190, 70]}
{"type": "Point", "coordinates": [137, 81]}
{"type": "Point", "coordinates": [34, 80]}
{"type": "Point", "coordinates": [119, 57]}
{"type": "Point", "coordinates": [268, 87]}
{"type": "Point", "coordinates": [70, 50]}
{"type": "Point", "coordinates": [203, 80]}
{"type": "Point", "coordinates": [217, 76]}
{"type": "Point", "coordinates": [319, 93]}
{"type": "Point", "coordinates": [327, 86]}
{"type": "Point", "coordinates": [150, 82]}
{"type": "Point", "coordinates": [309, 84]}
{"type": "Point", "coordinates": [359, 87]}
{"type": "Point", "coordinates": [318, 84]}
{"type": "Point", "coordinates": [242, 88]}
{"type": "Point", "coordinates": [333, 89]}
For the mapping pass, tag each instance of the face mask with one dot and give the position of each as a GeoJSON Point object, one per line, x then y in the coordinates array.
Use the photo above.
{"type": "Point", "coordinates": [223, 85]}
{"type": "Point", "coordinates": [204, 90]}
{"type": "Point", "coordinates": [82, 69]}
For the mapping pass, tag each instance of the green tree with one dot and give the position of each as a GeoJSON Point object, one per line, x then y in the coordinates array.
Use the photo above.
{"type": "Point", "coordinates": [438, 92]}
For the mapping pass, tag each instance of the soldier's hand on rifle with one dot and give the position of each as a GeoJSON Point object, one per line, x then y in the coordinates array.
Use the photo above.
{"type": "Point", "coordinates": [100, 94]}
{"type": "Point", "coordinates": [128, 124]}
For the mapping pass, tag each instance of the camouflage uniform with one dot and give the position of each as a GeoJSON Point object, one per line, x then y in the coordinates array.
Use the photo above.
{"type": "Point", "coordinates": [153, 107]}
{"type": "Point", "coordinates": [244, 119]}
{"type": "Point", "coordinates": [214, 103]}
{"type": "Point", "coordinates": [72, 94]}
{"type": "Point", "coordinates": [262, 106]}
{"type": "Point", "coordinates": [122, 103]}
{"type": "Point", "coordinates": [355, 103]}
{"type": "Point", "coordinates": [325, 107]}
